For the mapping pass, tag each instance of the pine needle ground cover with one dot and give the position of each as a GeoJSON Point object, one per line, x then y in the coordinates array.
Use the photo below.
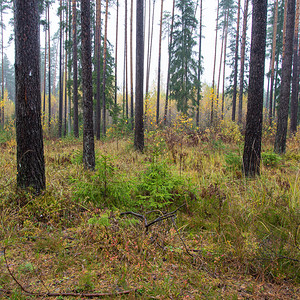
{"type": "Point", "coordinates": [228, 238]}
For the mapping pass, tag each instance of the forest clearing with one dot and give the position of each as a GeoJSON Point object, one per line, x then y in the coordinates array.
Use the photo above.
{"type": "Point", "coordinates": [231, 238]}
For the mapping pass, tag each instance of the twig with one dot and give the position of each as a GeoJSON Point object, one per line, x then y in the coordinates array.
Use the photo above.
{"type": "Point", "coordinates": [66, 294]}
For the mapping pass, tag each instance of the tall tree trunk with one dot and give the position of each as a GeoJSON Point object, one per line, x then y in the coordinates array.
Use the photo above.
{"type": "Point", "coordinates": [49, 71]}
{"type": "Point", "coordinates": [224, 69]}
{"type": "Point", "coordinates": [45, 70]}
{"type": "Point", "coordinates": [199, 68]}
{"type": "Point", "coordinates": [243, 50]}
{"type": "Point", "coordinates": [75, 82]}
{"type": "Point", "coordinates": [273, 63]}
{"type": "Point", "coordinates": [69, 70]}
{"type": "Point", "coordinates": [131, 66]}
{"type": "Point", "coordinates": [30, 149]}
{"type": "Point", "coordinates": [159, 63]}
{"type": "Point", "coordinates": [252, 148]}
{"type": "Point", "coordinates": [98, 67]}
{"type": "Point", "coordinates": [2, 70]}
{"type": "Point", "coordinates": [149, 53]}
{"type": "Point", "coordinates": [66, 69]}
{"type": "Point", "coordinates": [295, 81]}
{"type": "Point", "coordinates": [60, 108]}
{"type": "Point", "coordinates": [139, 87]}
{"type": "Point", "coordinates": [214, 69]}
{"type": "Point", "coordinates": [104, 72]}
{"type": "Point", "coordinates": [284, 100]}
{"type": "Point", "coordinates": [126, 60]}
{"type": "Point", "coordinates": [236, 61]}
{"type": "Point", "coordinates": [116, 54]}
{"type": "Point", "coordinates": [87, 88]}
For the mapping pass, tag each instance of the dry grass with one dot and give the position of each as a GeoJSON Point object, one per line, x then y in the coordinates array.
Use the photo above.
{"type": "Point", "coordinates": [243, 234]}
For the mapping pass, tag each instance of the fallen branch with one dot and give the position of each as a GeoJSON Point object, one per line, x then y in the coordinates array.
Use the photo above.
{"type": "Point", "coordinates": [62, 294]}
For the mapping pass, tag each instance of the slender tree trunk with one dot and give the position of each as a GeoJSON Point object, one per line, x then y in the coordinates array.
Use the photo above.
{"type": "Point", "coordinates": [252, 148]}
{"type": "Point", "coordinates": [139, 87]}
{"type": "Point", "coordinates": [49, 71]}
{"type": "Point", "coordinates": [284, 100]}
{"type": "Point", "coordinates": [98, 67]}
{"type": "Point", "coordinates": [214, 69]}
{"type": "Point", "coordinates": [236, 61]}
{"type": "Point", "coordinates": [45, 70]}
{"type": "Point", "coordinates": [75, 82]}
{"type": "Point", "coordinates": [224, 70]}
{"type": "Point", "coordinates": [295, 81]}
{"type": "Point", "coordinates": [273, 62]}
{"type": "Point", "coordinates": [66, 69]}
{"type": "Point", "coordinates": [126, 59]}
{"type": "Point", "coordinates": [221, 59]}
{"type": "Point", "coordinates": [87, 89]}
{"type": "Point", "coordinates": [116, 54]}
{"type": "Point", "coordinates": [60, 108]}
{"type": "Point", "coordinates": [159, 63]}
{"type": "Point", "coordinates": [199, 67]}
{"type": "Point", "coordinates": [69, 70]}
{"type": "Point", "coordinates": [243, 50]}
{"type": "Point", "coordinates": [29, 135]}
{"type": "Point", "coordinates": [2, 71]}
{"type": "Point", "coordinates": [149, 54]}
{"type": "Point", "coordinates": [104, 72]}
{"type": "Point", "coordinates": [131, 66]}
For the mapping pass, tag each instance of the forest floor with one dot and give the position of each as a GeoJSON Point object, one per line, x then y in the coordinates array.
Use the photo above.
{"type": "Point", "coordinates": [216, 235]}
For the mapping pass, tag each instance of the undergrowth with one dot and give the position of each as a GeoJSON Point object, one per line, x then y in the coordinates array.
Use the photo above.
{"type": "Point", "coordinates": [231, 237]}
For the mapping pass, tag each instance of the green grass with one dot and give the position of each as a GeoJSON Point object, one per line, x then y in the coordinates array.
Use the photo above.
{"type": "Point", "coordinates": [243, 234]}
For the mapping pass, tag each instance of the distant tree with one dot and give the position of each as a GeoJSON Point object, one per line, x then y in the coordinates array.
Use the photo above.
{"type": "Point", "coordinates": [60, 105]}
{"type": "Point", "coordinates": [87, 88]}
{"type": "Point", "coordinates": [159, 63]}
{"type": "Point", "coordinates": [183, 67]}
{"type": "Point", "coordinates": [236, 59]}
{"type": "Point", "coordinates": [243, 54]}
{"type": "Point", "coordinates": [116, 54]}
{"type": "Point", "coordinates": [295, 81]}
{"type": "Point", "coordinates": [284, 100]}
{"type": "Point", "coordinates": [169, 63]}
{"type": "Point", "coordinates": [75, 73]}
{"type": "Point", "coordinates": [139, 87]}
{"type": "Point", "coordinates": [252, 147]}
{"type": "Point", "coordinates": [30, 152]}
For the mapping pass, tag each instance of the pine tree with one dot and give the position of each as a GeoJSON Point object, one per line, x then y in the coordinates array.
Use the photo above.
{"type": "Point", "coordinates": [30, 152]}
{"type": "Point", "coordinates": [252, 147]}
{"type": "Point", "coordinates": [283, 109]}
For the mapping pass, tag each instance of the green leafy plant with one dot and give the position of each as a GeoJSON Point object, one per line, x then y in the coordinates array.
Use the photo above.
{"type": "Point", "coordinates": [271, 159]}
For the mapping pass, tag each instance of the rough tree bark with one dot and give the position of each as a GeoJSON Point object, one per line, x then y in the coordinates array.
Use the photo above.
{"type": "Point", "coordinates": [30, 150]}
{"type": "Point", "coordinates": [139, 87]}
{"type": "Point", "coordinates": [284, 98]}
{"type": "Point", "coordinates": [88, 132]}
{"type": "Point", "coordinates": [252, 147]}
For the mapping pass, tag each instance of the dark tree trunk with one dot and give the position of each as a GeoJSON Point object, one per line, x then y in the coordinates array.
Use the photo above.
{"type": "Point", "coordinates": [30, 152]}
{"type": "Point", "coordinates": [139, 124]}
{"type": "Point", "coordinates": [295, 81]}
{"type": "Point", "coordinates": [104, 72]}
{"type": "Point", "coordinates": [236, 59]}
{"type": "Point", "coordinates": [252, 148]}
{"type": "Point", "coordinates": [284, 100]}
{"type": "Point", "coordinates": [159, 63]}
{"type": "Point", "coordinates": [88, 132]}
{"type": "Point", "coordinates": [243, 50]}
{"type": "Point", "coordinates": [45, 69]}
{"type": "Point", "coordinates": [131, 66]}
{"type": "Point", "coordinates": [75, 82]}
{"type": "Point", "coordinates": [98, 66]}
{"type": "Point", "coordinates": [60, 106]}
{"type": "Point", "coordinates": [273, 63]}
